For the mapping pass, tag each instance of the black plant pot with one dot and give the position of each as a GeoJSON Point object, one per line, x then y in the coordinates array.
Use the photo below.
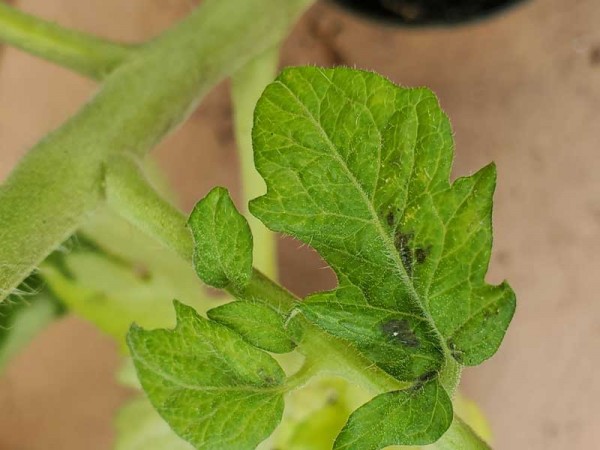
{"type": "Point", "coordinates": [426, 12]}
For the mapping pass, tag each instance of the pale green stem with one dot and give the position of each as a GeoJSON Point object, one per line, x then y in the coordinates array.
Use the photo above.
{"type": "Point", "coordinates": [130, 193]}
{"type": "Point", "coordinates": [59, 182]}
{"type": "Point", "coordinates": [247, 84]}
{"type": "Point", "coordinates": [81, 52]}
{"type": "Point", "coordinates": [299, 379]}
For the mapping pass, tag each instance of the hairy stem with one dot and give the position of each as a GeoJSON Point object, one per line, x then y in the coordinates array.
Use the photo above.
{"type": "Point", "coordinates": [81, 52]}
{"type": "Point", "coordinates": [130, 193]}
{"type": "Point", "coordinates": [59, 182]}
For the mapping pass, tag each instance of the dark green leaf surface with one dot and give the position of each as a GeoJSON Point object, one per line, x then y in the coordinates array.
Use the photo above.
{"type": "Point", "coordinates": [223, 241]}
{"type": "Point", "coordinates": [214, 389]}
{"type": "Point", "coordinates": [358, 168]}
{"type": "Point", "coordinates": [413, 417]}
{"type": "Point", "coordinates": [258, 324]}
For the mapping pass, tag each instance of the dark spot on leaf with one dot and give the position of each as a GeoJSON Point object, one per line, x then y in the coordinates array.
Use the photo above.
{"type": "Point", "coordinates": [421, 255]}
{"type": "Point", "coordinates": [456, 354]}
{"type": "Point", "coordinates": [427, 376]}
{"type": "Point", "coordinates": [390, 218]}
{"type": "Point", "coordinates": [401, 241]}
{"type": "Point", "coordinates": [268, 379]}
{"type": "Point", "coordinates": [399, 331]}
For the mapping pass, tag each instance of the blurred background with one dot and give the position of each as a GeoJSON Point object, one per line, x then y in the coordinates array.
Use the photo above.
{"type": "Point", "coordinates": [522, 88]}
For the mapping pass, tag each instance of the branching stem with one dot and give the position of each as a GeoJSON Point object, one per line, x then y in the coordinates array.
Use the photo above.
{"type": "Point", "coordinates": [89, 55]}
{"type": "Point", "coordinates": [58, 183]}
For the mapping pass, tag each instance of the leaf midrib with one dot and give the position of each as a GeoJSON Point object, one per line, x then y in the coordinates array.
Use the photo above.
{"type": "Point", "coordinates": [192, 387]}
{"type": "Point", "coordinates": [392, 252]}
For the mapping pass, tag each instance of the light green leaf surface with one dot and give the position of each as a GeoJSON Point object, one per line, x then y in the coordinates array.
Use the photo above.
{"type": "Point", "coordinates": [120, 277]}
{"type": "Point", "coordinates": [140, 427]}
{"type": "Point", "coordinates": [412, 417]}
{"type": "Point", "coordinates": [358, 168]}
{"type": "Point", "coordinates": [223, 241]}
{"type": "Point", "coordinates": [258, 324]}
{"type": "Point", "coordinates": [313, 416]}
{"type": "Point", "coordinates": [214, 389]}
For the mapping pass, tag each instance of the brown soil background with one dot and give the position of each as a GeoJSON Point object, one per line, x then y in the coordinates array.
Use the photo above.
{"type": "Point", "coordinates": [522, 89]}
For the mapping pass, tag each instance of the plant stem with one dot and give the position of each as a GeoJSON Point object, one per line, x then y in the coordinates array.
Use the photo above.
{"type": "Point", "coordinates": [81, 52]}
{"type": "Point", "coordinates": [247, 84]}
{"type": "Point", "coordinates": [130, 193]}
{"type": "Point", "coordinates": [59, 182]}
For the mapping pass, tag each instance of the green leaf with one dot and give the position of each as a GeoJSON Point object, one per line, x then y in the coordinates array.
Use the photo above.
{"type": "Point", "coordinates": [417, 416]}
{"type": "Point", "coordinates": [223, 241]}
{"type": "Point", "coordinates": [139, 427]}
{"type": "Point", "coordinates": [358, 168]}
{"type": "Point", "coordinates": [258, 324]}
{"type": "Point", "coordinates": [215, 390]}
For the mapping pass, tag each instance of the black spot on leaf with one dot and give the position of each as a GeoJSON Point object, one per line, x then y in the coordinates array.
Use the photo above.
{"type": "Point", "coordinates": [427, 376]}
{"type": "Point", "coordinates": [390, 218]}
{"type": "Point", "coordinates": [456, 354]}
{"type": "Point", "coordinates": [399, 331]}
{"type": "Point", "coordinates": [421, 255]}
{"type": "Point", "coordinates": [401, 241]}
